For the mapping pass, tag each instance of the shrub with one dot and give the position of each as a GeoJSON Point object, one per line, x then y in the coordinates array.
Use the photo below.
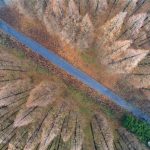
{"type": "Point", "coordinates": [140, 128]}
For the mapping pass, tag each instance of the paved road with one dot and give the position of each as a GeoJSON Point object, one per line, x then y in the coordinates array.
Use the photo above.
{"type": "Point", "coordinates": [2, 4]}
{"type": "Point", "coordinates": [81, 76]}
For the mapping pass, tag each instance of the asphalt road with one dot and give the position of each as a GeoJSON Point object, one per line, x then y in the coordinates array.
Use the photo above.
{"type": "Point", "coordinates": [2, 3]}
{"type": "Point", "coordinates": [70, 69]}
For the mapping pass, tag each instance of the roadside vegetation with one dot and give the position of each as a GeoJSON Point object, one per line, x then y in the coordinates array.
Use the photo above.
{"type": "Point", "coordinates": [84, 99]}
{"type": "Point", "coordinates": [140, 128]}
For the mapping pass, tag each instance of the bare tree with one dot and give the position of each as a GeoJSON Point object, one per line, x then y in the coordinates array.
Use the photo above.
{"type": "Point", "coordinates": [102, 135]}
{"type": "Point", "coordinates": [111, 29]}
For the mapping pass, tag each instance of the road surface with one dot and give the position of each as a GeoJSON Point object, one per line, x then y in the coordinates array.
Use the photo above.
{"type": "Point", "coordinates": [70, 69]}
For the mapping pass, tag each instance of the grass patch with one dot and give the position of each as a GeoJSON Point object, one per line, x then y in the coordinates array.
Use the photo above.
{"type": "Point", "coordinates": [18, 53]}
{"type": "Point", "coordinates": [21, 54]}
{"type": "Point", "coordinates": [88, 103]}
{"type": "Point", "coordinates": [5, 41]}
{"type": "Point", "coordinates": [42, 70]}
{"type": "Point", "coordinates": [140, 128]}
{"type": "Point", "coordinates": [87, 58]}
